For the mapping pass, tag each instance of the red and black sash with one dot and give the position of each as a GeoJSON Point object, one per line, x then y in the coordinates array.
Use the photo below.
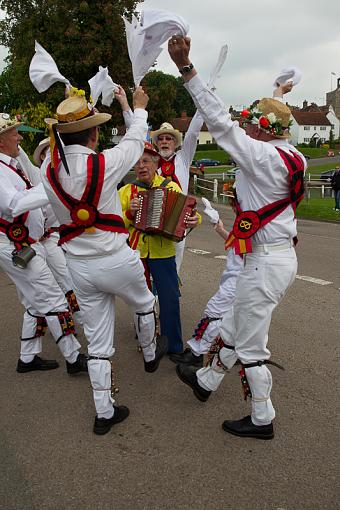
{"type": "Point", "coordinates": [247, 223]}
{"type": "Point", "coordinates": [167, 169]}
{"type": "Point", "coordinates": [84, 213]}
{"type": "Point", "coordinates": [16, 230]}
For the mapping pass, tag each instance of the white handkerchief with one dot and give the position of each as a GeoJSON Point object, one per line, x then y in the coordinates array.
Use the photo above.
{"type": "Point", "coordinates": [43, 70]}
{"type": "Point", "coordinates": [159, 26]}
{"type": "Point", "coordinates": [210, 211]}
{"type": "Point", "coordinates": [141, 59]}
{"type": "Point", "coordinates": [102, 85]}
{"type": "Point", "coordinates": [288, 74]}
{"type": "Point", "coordinates": [144, 39]}
{"type": "Point", "coordinates": [219, 64]}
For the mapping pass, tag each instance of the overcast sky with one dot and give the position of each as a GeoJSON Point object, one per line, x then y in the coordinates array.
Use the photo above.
{"type": "Point", "coordinates": [263, 37]}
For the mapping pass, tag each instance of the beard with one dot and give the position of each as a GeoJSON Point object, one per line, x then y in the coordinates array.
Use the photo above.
{"type": "Point", "coordinates": [166, 153]}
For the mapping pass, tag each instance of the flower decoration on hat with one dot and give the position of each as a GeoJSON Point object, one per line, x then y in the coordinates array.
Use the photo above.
{"type": "Point", "coordinates": [271, 116]}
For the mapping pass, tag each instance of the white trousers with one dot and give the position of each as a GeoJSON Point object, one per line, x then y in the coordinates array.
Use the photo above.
{"type": "Point", "coordinates": [97, 282]}
{"type": "Point", "coordinates": [260, 287]}
{"type": "Point", "coordinates": [218, 305]}
{"type": "Point", "coordinates": [56, 261]}
{"type": "Point", "coordinates": [40, 294]}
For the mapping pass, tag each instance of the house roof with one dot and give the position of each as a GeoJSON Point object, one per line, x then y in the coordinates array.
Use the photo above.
{"type": "Point", "coordinates": [182, 124]}
{"type": "Point", "coordinates": [310, 118]}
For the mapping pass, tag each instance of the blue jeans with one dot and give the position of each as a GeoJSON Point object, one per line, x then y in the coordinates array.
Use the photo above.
{"type": "Point", "coordinates": [337, 198]}
{"type": "Point", "coordinates": [165, 278]}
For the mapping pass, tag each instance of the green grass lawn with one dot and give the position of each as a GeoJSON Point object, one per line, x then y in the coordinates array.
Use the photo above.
{"type": "Point", "coordinates": [318, 209]}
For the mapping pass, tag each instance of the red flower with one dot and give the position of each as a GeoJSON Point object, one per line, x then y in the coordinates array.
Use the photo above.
{"type": "Point", "coordinates": [264, 122]}
{"type": "Point", "coordinates": [245, 113]}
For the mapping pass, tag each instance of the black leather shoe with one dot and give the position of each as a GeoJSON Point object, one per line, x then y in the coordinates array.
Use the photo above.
{"type": "Point", "coordinates": [80, 365]}
{"type": "Point", "coordinates": [161, 348]}
{"type": "Point", "coordinates": [187, 374]}
{"type": "Point", "coordinates": [187, 358]}
{"type": "Point", "coordinates": [103, 425]}
{"type": "Point", "coordinates": [37, 364]}
{"type": "Point", "coordinates": [246, 428]}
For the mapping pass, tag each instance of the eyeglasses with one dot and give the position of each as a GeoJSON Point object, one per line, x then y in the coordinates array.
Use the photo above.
{"type": "Point", "coordinates": [165, 138]}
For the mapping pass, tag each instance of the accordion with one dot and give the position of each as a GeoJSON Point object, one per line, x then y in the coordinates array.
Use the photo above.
{"type": "Point", "coordinates": [164, 211]}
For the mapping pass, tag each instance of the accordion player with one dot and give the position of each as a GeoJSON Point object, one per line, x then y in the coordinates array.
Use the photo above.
{"type": "Point", "coordinates": [164, 211]}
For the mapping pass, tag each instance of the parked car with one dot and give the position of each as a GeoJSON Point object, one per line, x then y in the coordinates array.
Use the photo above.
{"type": "Point", "coordinates": [327, 176]}
{"type": "Point", "coordinates": [207, 162]}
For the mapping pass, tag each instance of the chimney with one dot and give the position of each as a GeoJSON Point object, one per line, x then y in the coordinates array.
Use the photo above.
{"type": "Point", "coordinates": [304, 104]}
{"type": "Point", "coordinates": [184, 115]}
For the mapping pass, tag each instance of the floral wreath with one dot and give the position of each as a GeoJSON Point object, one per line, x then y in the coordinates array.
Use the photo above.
{"type": "Point", "coordinates": [270, 122]}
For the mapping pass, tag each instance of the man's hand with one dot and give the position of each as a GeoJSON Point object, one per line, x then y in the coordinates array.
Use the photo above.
{"type": "Point", "coordinates": [120, 95]}
{"type": "Point", "coordinates": [140, 99]}
{"type": "Point", "coordinates": [283, 89]}
{"type": "Point", "coordinates": [219, 228]}
{"type": "Point", "coordinates": [193, 220]}
{"type": "Point", "coordinates": [179, 49]}
{"type": "Point", "coordinates": [134, 206]}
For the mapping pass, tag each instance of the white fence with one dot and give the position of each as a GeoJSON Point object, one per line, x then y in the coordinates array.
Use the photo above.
{"type": "Point", "coordinates": [211, 185]}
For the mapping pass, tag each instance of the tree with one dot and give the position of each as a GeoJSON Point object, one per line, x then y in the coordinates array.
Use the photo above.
{"type": "Point", "coordinates": [79, 35]}
{"type": "Point", "coordinates": [331, 139]}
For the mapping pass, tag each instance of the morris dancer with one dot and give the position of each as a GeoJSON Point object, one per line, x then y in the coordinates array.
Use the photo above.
{"type": "Point", "coordinates": [220, 304]}
{"type": "Point", "coordinates": [269, 186]}
{"type": "Point", "coordinates": [83, 193]}
{"type": "Point", "coordinates": [156, 251]}
{"type": "Point", "coordinates": [37, 289]}
{"type": "Point", "coordinates": [173, 164]}
{"type": "Point", "coordinates": [55, 257]}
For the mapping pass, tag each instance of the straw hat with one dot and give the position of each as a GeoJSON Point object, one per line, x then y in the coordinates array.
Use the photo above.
{"type": "Point", "coordinates": [271, 115]}
{"type": "Point", "coordinates": [75, 114]}
{"type": "Point", "coordinates": [167, 129]}
{"type": "Point", "coordinates": [6, 123]}
{"type": "Point", "coordinates": [41, 147]}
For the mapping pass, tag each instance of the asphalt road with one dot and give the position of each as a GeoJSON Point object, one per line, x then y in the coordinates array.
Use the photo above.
{"type": "Point", "coordinates": [171, 453]}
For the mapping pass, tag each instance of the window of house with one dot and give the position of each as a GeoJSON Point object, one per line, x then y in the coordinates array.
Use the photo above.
{"type": "Point", "coordinates": [306, 140]}
{"type": "Point", "coordinates": [306, 128]}
{"type": "Point", "coordinates": [314, 128]}
{"type": "Point", "coordinates": [322, 128]}
{"type": "Point", "coordinates": [332, 126]}
{"type": "Point", "coordinates": [208, 141]}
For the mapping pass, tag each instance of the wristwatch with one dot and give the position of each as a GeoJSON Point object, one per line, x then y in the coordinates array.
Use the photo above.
{"type": "Point", "coordinates": [186, 69]}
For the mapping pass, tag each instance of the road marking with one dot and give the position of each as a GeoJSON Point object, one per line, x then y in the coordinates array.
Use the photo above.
{"type": "Point", "coordinates": [198, 252]}
{"type": "Point", "coordinates": [313, 280]}
{"type": "Point", "coordinates": [310, 279]}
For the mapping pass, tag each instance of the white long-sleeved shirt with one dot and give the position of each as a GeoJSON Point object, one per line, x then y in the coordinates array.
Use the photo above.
{"type": "Point", "coordinates": [118, 161]}
{"type": "Point", "coordinates": [12, 190]}
{"type": "Point", "coordinates": [183, 157]}
{"type": "Point", "coordinates": [263, 176]}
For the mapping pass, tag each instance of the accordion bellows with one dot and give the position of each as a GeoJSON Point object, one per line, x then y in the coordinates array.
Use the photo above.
{"type": "Point", "coordinates": [164, 211]}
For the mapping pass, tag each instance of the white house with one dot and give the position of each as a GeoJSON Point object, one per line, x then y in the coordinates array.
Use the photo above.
{"type": "Point", "coordinates": [310, 124]}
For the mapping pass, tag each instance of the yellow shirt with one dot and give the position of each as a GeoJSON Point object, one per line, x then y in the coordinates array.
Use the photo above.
{"type": "Point", "coordinates": [153, 246]}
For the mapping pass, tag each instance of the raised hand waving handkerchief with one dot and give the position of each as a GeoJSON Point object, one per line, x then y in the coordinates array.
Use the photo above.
{"type": "Point", "coordinates": [43, 71]}
{"type": "Point", "coordinates": [210, 211]}
{"type": "Point", "coordinates": [288, 74]}
{"type": "Point", "coordinates": [102, 85]}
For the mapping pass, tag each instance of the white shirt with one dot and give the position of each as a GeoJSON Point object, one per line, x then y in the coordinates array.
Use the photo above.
{"type": "Point", "coordinates": [118, 161]}
{"type": "Point", "coordinates": [263, 176]}
{"type": "Point", "coordinates": [12, 189]}
{"type": "Point", "coordinates": [183, 157]}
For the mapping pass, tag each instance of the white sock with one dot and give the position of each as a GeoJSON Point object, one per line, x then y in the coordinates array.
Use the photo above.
{"type": "Point", "coordinates": [27, 358]}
